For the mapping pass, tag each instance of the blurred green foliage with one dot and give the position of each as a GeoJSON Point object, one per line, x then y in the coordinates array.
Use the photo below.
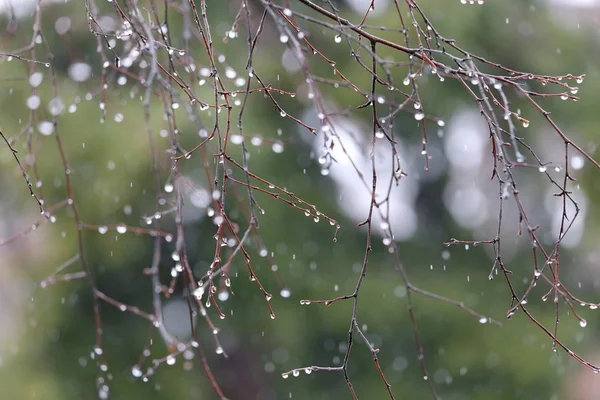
{"type": "Point", "coordinates": [50, 357]}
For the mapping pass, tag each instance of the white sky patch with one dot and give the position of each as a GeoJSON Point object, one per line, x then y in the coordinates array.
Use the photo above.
{"type": "Point", "coordinates": [354, 197]}
{"type": "Point", "coordinates": [468, 205]}
{"type": "Point", "coordinates": [575, 3]}
{"type": "Point", "coordinates": [361, 6]}
{"type": "Point", "coordinates": [554, 208]}
{"type": "Point", "coordinates": [466, 140]}
{"type": "Point", "coordinates": [20, 9]}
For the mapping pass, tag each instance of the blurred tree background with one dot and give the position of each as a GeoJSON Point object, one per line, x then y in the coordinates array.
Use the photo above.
{"type": "Point", "coordinates": [48, 334]}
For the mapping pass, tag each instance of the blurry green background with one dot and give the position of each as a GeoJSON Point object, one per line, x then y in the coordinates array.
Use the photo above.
{"type": "Point", "coordinates": [47, 335]}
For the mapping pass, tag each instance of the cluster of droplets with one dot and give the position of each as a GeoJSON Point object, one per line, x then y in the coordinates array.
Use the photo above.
{"type": "Point", "coordinates": [277, 146]}
{"type": "Point", "coordinates": [325, 158]}
{"type": "Point", "coordinates": [296, 373]}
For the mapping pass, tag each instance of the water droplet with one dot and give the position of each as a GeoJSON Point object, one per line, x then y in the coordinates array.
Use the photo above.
{"type": "Point", "coordinates": [33, 102]}
{"type": "Point", "coordinates": [80, 71]}
{"type": "Point", "coordinates": [36, 79]}
{"type": "Point", "coordinates": [577, 162]}
{"type": "Point", "coordinates": [277, 147]}
{"type": "Point", "coordinates": [199, 292]}
{"type": "Point", "coordinates": [56, 106]}
{"type": "Point", "coordinates": [46, 128]}
{"type": "Point", "coordinates": [136, 371]}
